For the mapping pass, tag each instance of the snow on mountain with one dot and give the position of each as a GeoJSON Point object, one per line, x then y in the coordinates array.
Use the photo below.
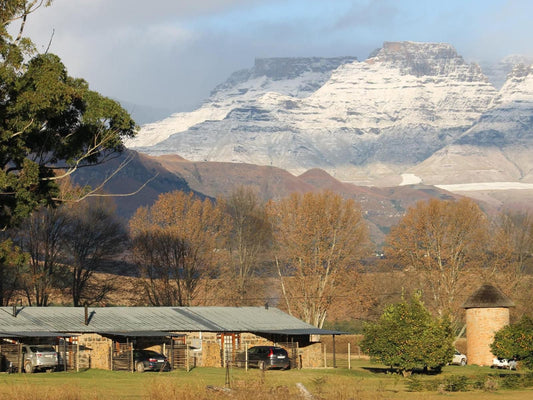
{"type": "Point", "coordinates": [294, 77]}
{"type": "Point", "coordinates": [365, 122]}
{"type": "Point", "coordinates": [498, 147]}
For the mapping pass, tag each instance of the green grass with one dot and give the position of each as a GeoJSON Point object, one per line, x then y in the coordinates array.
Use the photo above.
{"type": "Point", "coordinates": [365, 381]}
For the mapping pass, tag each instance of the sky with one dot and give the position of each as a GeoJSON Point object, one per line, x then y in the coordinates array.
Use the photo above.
{"type": "Point", "coordinates": [172, 53]}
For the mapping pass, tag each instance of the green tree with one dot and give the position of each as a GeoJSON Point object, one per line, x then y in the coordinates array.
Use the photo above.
{"type": "Point", "coordinates": [515, 340]}
{"type": "Point", "coordinates": [408, 337]}
{"type": "Point", "coordinates": [50, 123]}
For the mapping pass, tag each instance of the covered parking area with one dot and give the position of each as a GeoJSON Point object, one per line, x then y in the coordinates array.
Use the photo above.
{"type": "Point", "coordinates": [12, 349]}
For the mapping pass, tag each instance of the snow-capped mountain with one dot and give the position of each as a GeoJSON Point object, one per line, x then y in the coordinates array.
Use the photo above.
{"type": "Point", "coordinates": [365, 122]}
{"type": "Point", "coordinates": [498, 148]}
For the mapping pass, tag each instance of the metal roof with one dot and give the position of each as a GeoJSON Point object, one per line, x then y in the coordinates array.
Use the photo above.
{"type": "Point", "coordinates": [153, 319]}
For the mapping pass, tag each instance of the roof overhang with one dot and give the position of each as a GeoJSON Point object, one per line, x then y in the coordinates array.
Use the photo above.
{"type": "Point", "coordinates": [136, 334]}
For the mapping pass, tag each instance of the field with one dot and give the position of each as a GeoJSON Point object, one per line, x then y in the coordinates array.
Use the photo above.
{"type": "Point", "coordinates": [364, 381]}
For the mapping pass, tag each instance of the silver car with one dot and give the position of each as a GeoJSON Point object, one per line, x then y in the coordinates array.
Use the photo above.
{"type": "Point", "coordinates": [39, 357]}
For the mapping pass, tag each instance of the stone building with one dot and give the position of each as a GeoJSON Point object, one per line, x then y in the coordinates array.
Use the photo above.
{"type": "Point", "coordinates": [104, 337]}
{"type": "Point", "coordinates": [487, 311]}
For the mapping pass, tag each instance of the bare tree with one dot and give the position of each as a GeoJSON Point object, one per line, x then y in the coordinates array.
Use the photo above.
{"type": "Point", "coordinates": [192, 231]}
{"type": "Point", "coordinates": [437, 243]}
{"type": "Point", "coordinates": [249, 237]}
{"type": "Point", "coordinates": [41, 237]}
{"type": "Point", "coordinates": [93, 235]}
{"type": "Point", "coordinates": [318, 237]}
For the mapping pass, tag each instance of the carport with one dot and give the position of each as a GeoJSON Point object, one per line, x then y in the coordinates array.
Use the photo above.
{"type": "Point", "coordinates": [11, 348]}
{"type": "Point", "coordinates": [123, 344]}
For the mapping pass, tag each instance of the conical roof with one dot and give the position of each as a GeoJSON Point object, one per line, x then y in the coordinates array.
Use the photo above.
{"type": "Point", "coordinates": [488, 296]}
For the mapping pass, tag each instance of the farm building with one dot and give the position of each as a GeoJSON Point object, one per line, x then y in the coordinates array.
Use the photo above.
{"type": "Point", "coordinates": [487, 311]}
{"type": "Point", "coordinates": [104, 337]}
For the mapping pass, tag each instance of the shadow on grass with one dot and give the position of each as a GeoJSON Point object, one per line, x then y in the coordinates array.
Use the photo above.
{"type": "Point", "coordinates": [390, 370]}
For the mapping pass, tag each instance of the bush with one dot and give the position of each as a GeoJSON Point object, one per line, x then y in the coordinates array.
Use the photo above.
{"type": "Point", "coordinates": [407, 337]}
{"type": "Point", "coordinates": [455, 383]}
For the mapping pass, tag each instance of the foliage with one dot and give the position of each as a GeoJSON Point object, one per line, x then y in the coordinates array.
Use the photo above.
{"type": "Point", "coordinates": [190, 233]}
{"type": "Point", "coordinates": [407, 337]}
{"type": "Point", "coordinates": [436, 242]}
{"type": "Point", "coordinates": [515, 340]}
{"type": "Point", "coordinates": [50, 123]}
{"type": "Point", "coordinates": [319, 237]}
{"type": "Point", "coordinates": [11, 261]}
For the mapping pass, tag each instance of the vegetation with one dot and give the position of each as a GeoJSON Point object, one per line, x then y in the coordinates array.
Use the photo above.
{"type": "Point", "coordinates": [318, 238]}
{"type": "Point", "coordinates": [365, 381]}
{"type": "Point", "coordinates": [515, 341]}
{"type": "Point", "coordinates": [407, 337]}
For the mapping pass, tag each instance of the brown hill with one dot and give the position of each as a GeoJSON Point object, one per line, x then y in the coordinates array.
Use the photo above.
{"type": "Point", "coordinates": [383, 207]}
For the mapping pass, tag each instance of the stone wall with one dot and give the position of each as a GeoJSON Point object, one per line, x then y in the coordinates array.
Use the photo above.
{"type": "Point", "coordinates": [481, 325]}
{"type": "Point", "coordinates": [99, 349]}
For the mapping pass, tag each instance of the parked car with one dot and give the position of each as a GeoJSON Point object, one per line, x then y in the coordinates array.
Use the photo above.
{"type": "Point", "coordinates": [458, 358]}
{"type": "Point", "coordinates": [39, 357]}
{"type": "Point", "coordinates": [265, 357]}
{"type": "Point", "coordinates": [503, 363]}
{"type": "Point", "coordinates": [149, 360]}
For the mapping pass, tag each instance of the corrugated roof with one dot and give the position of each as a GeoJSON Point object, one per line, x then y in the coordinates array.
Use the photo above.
{"type": "Point", "coordinates": [488, 296]}
{"type": "Point", "coordinates": [152, 319]}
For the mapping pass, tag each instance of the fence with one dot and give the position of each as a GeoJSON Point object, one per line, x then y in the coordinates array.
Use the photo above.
{"type": "Point", "coordinates": [340, 351]}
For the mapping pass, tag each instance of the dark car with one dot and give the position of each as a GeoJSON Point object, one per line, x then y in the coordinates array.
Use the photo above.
{"type": "Point", "coordinates": [266, 357]}
{"type": "Point", "coordinates": [149, 360]}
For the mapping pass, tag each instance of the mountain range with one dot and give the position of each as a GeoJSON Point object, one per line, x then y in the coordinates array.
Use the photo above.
{"type": "Point", "coordinates": [364, 122]}
{"type": "Point", "coordinates": [413, 121]}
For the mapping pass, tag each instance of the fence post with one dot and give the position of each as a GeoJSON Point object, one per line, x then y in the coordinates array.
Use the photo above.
{"type": "Point", "coordinates": [325, 354]}
{"type": "Point", "coordinates": [78, 355]}
{"type": "Point", "coordinates": [246, 357]}
{"type": "Point", "coordinates": [349, 357]}
{"type": "Point", "coordinates": [187, 359]}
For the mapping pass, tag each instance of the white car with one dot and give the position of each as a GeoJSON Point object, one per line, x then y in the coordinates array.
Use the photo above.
{"type": "Point", "coordinates": [458, 358]}
{"type": "Point", "coordinates": [503, 363]}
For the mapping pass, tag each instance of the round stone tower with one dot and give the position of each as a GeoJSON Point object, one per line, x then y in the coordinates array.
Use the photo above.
{"type": "Point", "coordinates": [487, 311]}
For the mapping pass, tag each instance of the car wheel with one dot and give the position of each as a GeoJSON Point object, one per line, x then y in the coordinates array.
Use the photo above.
{"type": "Point", "coordinates": [28, 368]}
{"type": "Point", "coordinates": [139, 367]}
{"type": "Point", "coordinates": [463, 362]}
{"type": "Point", "coordinates": [261, 365]}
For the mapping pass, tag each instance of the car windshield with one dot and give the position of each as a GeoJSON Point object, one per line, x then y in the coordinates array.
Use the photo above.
{"type": "Point", "coordinates": [42, 349]}
{"type": "Point", "coordinates": [150, 353]}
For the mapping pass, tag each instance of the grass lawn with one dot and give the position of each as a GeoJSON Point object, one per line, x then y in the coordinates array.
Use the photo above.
{"type": "Point", "coordinates": [365, 381]}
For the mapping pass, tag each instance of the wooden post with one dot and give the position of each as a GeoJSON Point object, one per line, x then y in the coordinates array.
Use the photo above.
{"type": "Point", "coordinates": [111, 356]}
{"type": "Point", "coordinates": [246, 357]}
{"type": "Point", "coordinates": [349, 357]}
{"type": "Point", "coordinates": [334, 355]}
{"type": "Point", "coordinates": [78, 355]}
{"type": "Point", "coordinates": [325, 361]}
{"type": "Point", "coordinates": [187, 358]}
{"type": "Point", "coordinates": [20, 359]}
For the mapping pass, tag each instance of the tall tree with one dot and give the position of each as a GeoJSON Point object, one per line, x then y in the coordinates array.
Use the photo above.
{"type": "Point", "coordinates": [193, 248]}
{"type": "Point", "coordinates": [436, 242]}
{"type": "Point", "coordinates": [50, 124]}
{"type": "Point", "coordinates": [318, 237]}
{"type": "Point", "coordinates": [41, 237]}
{"type": "Point", "coordinates": [94, 234]}
{"type": "Point", "coordinates": [250, 236]}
